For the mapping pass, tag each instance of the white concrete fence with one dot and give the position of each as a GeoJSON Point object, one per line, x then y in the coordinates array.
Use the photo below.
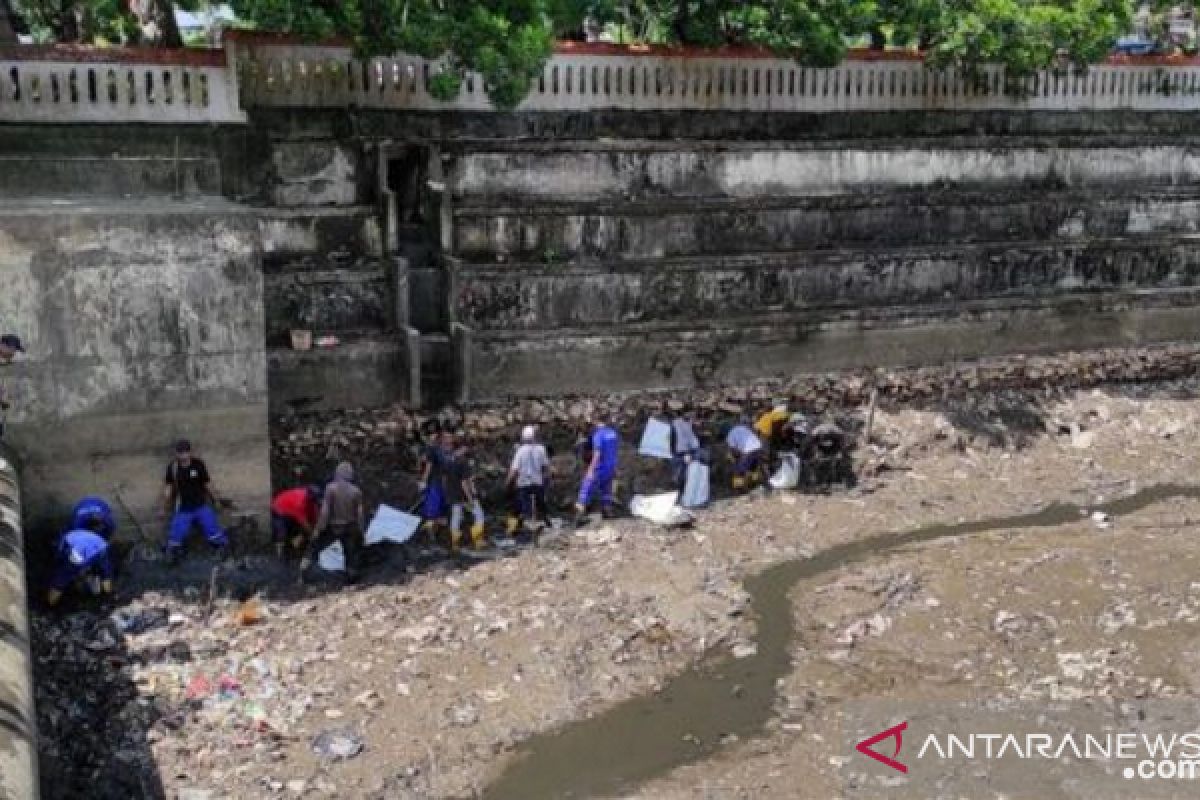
{"type": "Point", "coordinates": [586, 79]}
{"type": "Point", "coordinates": [57, 85]}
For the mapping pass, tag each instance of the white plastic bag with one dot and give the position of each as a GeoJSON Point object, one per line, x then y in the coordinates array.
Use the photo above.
{"type": "Point", "coordinates": [661, 510]}
{"type": "Point", "coordinates": [695, 488]}
{"type": "Point", "coordinates": [656, 440]}
{"type": "Point", "coordinates": [788, 474]}
{"type": "Point", "coordinates": [332, 559]}
{"type": "Point", "coordinates": [390, 525]}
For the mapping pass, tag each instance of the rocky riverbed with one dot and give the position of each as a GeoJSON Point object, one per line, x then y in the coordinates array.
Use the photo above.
{"type": "Point", "coordinates": [425, 680]}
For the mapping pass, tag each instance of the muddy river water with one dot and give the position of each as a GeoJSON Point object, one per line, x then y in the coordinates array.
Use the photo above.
{"type": "Point", "coordinates": [688, 720]}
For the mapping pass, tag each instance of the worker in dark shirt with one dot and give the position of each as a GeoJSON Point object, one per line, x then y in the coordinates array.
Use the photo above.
{"type": "Point", "coordinates": [341, 519]}
{"type": "Point", "coordinates": [461, 494]}
{"type": "Point", "coordinates": [432, 485]}
{"type": "Point", "coordinates": [188, 499]}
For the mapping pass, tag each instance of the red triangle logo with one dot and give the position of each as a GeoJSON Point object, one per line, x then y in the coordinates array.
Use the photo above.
{"type": "Point", "coordinates": [895, 732]}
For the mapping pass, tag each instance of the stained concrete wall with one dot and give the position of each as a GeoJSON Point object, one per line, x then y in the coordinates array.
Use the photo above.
{"type": "Point", "coordinates": [143, 323]}
{"type": "Point", "coordinates": [623, 264]}
{"type": "Point", "coordinates": [624, 250]}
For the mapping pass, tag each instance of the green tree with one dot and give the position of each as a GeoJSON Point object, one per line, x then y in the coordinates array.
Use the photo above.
{"type": "Point", "coordinates": [1021, 35]}
{"type": "Point", "coordinates": [505, 41]}
{"type": "Point", "coordinates": [127, 22]}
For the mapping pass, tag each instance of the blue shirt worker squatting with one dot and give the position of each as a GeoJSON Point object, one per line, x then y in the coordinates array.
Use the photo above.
{"type": "Point", "coordinates": [82, 556]}
{"type": "Point", "coordinates": [188, 499]}
{"type": "Point", "coordinates": [601, 471]}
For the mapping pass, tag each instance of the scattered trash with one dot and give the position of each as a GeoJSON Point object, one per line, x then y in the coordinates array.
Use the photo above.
{"type": "Point", "coordinates": [872, 626]}
{"type": "Point", "coordinates": [328, 341]}
{"type": "Point", "coordinates": [744, 650]}
{"type": "Point", "coordinates": [464, 716]}
{"type": "Point", "coordinates": [139, 621]}
{"type": "Point", "coordinates": [601, 536]}
{"type": "Point", "coordinates": [332, 559]}
{"type": "Point", "coordinates": [337, 744]}
{"type": "Point", "coordinates": [661, 509]}
{"type": "Point", "coordinates": [198, 688]}
{"type": "Point", "coordinates": [1008, 622]}
{"type": "Point", "coordinates": [656, 440]}
{"type": "Point", "coordinates": [391, 525]}
{"type": "Point", "coordinates": [695, 492]}
{"type": "Point", "coordinates": [788, 474]}
{"type": "Point", "coordinates": [249, 613]}
{"type": "Point", "coordinates": [1101, 519]}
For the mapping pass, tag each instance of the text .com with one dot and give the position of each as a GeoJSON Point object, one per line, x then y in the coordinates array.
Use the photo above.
{"type": "Point", "coordinates": [1174, 757]}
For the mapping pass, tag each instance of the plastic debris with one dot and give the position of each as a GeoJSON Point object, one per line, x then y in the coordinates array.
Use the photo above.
{"type": "Point", "coordinates": [661, 509]}
{"type": "Point", "coordinates": [337, 744]}
{"type": "Point", "coordinates": [391, 525]}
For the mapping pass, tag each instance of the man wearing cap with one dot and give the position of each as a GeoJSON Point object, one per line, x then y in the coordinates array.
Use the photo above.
{"type": "Point", "coordinates": [769, 427]}
{"type": "Point", "coordinates": [82, 558]}
{"type": "Point", "coordinates": [341, 519]}
{"type": "Point", "coordinates": [294, 515]}
{"type": "Point", "coordinates": [528, 474]}
{"type": "Point", "coordinates": [94, 514]}
{"type": "Point", "coordinates": [188, 499]}
{"type": "Point", "coordinates": [10, 345]}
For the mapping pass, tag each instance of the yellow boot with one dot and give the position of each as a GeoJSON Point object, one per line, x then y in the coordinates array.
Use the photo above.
{"type": "Point", "coordinates": [511, 525]}
{"type": "Point", "coordinates": [455, 539]}
{"type": "Point", "coordinates": [477, 538]}
{"type": "Point", "coordinates": [738, 483]}
{"type": "Point", "coordinates": [52, 597]}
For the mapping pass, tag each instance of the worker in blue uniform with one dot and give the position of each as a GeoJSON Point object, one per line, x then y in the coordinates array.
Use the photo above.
{"type": "Point", "coordinates": [82, 559]}
{"type": "Point", "coordinates": [604, 445]}
{"type": "Point", "coordinates": [94, 508]}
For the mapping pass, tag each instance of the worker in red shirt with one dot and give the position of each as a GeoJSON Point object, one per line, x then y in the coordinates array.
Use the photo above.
{"type": "Point", "coordinates": [293, 516]}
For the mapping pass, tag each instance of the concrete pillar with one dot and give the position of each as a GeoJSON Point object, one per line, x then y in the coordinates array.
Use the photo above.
{"type": "Point", "coordinates": [412, 355]}
{"type": "Point", "coordinates": [461, 338]}
{"type": "Point", "coordinates": [400, 297]}
{"type": "Point", "coordinates": [18, 722]}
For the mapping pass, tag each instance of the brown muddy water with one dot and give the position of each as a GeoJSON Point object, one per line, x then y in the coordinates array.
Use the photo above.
{"type": "Point", "coordinates": [645, 737]}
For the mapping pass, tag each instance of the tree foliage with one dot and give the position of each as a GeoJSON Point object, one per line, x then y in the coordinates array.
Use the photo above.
{"type": "Point", "coordinates": [1022, 35]}
{"type": "Point", "coordinates": [506, 41]}
{"type": "Point", "coordinates": [125, 22]}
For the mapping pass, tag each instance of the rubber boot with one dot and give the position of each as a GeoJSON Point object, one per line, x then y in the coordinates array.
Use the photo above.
{"type": "Point", "coordinates": [455, 540]}
{"type": "Point", "coordinates": [511, 525]}
{"type": "Point", "coordinates": [52, 597]}
{"type": "Point", "coordinates": [581, 517]}
{"type": "Point", "coordinates": [478, 541]}
{"type": "Point", "coordinates": [738, 483]}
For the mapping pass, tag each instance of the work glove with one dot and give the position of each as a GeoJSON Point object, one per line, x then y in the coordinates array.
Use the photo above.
{"type": "Point", "coordinates": [106, 587]}
{"type": "Point", "coordinates": [421, 486]}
